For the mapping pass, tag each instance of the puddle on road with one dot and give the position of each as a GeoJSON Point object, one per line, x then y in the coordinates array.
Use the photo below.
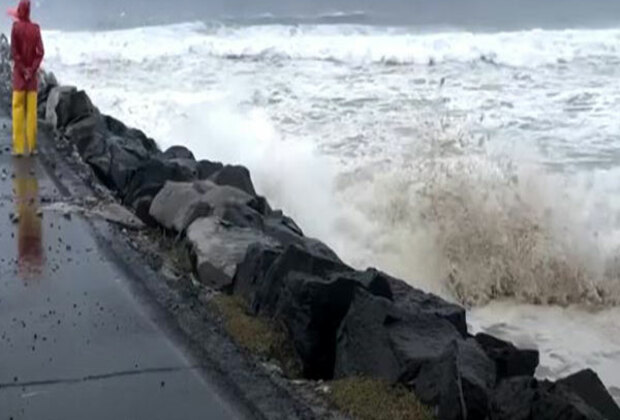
{"type": "Point", "coordinates": [27, 216]}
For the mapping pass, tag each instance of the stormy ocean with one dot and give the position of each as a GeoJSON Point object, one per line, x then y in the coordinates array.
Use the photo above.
{"type": "Point", "coordinates": [480, 162]}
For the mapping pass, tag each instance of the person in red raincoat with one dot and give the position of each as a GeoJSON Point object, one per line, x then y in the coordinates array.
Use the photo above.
{"type": "Point", "coordinates": [27, 51]}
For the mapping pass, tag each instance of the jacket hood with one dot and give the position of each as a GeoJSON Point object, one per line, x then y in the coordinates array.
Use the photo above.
{"type": "Point", "coordinates": [23, 10]}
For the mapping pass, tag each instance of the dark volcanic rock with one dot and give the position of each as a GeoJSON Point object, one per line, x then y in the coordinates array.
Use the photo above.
{"type": "Point", "coordinates": [119, 129]}
{"type": "Point", "coordinates": [113, 159]}
{"type": "Point", "coordinates": [178, 204]}
{"type": "Point", "coordinates": [224, 195]}
{"type": "Point", "coordinates": [509, 360]}
{"type": "Point", "coordinates": [284, 229]}
{"type": "Point", "coordinates": [234, 176]}
{"type": "Point", "coordinates": [47, 81]}
{"type": "Point", "coordinates": [312, 309]}
{"type": "Point", "coordinates": [263, 206]}
{"type": "Point", "coordinates": [142, 208]}
{"type": "Point", "coordinates": [458, 383]}
{"type": "Point", "coordinates": [241, 215]}
{"type": "Point", "coordinates": [525, 398]}
{"type": "Point", "coordinates": [151, 176]}
{"type": "Point", "coordinates": [372, 280]}
{"type": "Point", "coordinates": [179, 152]}
{"type": "Point", "coordinates": [72, 106]}
{"type": "Point", "coordinates": [112, 150]}
{"type": "Point", "coordinates": [207, 168]}
{"type": "Point", "coordinates": [588, 386]}
{"type": "Point", "coordinates": [57, 95]}
{"type": "Point", "coordinates": [380, 340]}
{"type": "Point", "coordinates": [82, 133]}
{"type": "Point", "coordinates": [218, 247]}
{"type": "Point", "coordinates": [6, 74]}
{"type": "Point", "coordinates": [123, 157]}
{"type": "Point", "coordinates": [191, 164]}
{"type": "Point", "coordinates": [411, 299]}
{"type": "Point", "coordinates": [252, 270]}
{"type": "Point", "coordinates": [314, 261]}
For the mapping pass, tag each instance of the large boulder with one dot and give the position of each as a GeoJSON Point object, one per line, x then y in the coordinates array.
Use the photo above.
{"type": "Point", "coordinates": [47, 81]}
{"type": "Point", "coordinates": [113, 150]}
{"type": "Point", "coordinates": [263, 206]}
{"type": "Point", "coordinates": [588, 386]}
{"type": "Point", "coordinates": [84, 132]}
{"type": "Point", "coordinates": [206, 168]}
{"type": "Point", "coordinates": [380, 340]}
{"type": "Point", "coordinates": [142, 208]}
{"type": "Point", "coordinates": [190, 164]}
{"type": "Point", "coordinates": [253, 269]}
{"type": "Point", "coordinates": [225, 195]}
{"type": "Point", "coordinates": [372, 280]}
{"type": "Point", "coordinates": [57, 95]}
{"type": "Point", "coordinates": [72, 106]}
{"type": "Point", "coordinates": [526, 398]}
{"type": "Point", "coordinates": [458, 384]}
{"type": "Point", "coordinates": [151, 176]}
{"type": "Point", "coordinates": [114, 158]}
{"type": "Point", "coordinates": [259, 259]}
{"type": "Point", "coordinates": [178, 152]}
{"type": "Point", "coordinates": [409, 298]}
{"type": "Point", "coordinates": [178, 205]}
{"type": "Point", "coordinates": [217, 247]}
{"type": "Point", "coordinates": [317, 261]}
{"type": "Point", "coordinates": [509, 360]}
{"type": "Point", "coordinates": [122, 158]}
{"type": "Point", "coordinates": [241, 215]}
{"type": "Point", "coordinates": [234, 176]}
{"type": "Point", "coordinates": [119, 129]}
{"type": "Point", "coordinates": [312, 309]}
{"type": "Point", "coordinates": [284, 229]}
{"type": "Point", "coordinates": [6, 85]}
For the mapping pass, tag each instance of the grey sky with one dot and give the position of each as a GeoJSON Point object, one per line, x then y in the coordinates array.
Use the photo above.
{"type": "Point", "coordinates": [509, 14]}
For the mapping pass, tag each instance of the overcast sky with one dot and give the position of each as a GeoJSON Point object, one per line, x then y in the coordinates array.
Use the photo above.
{"type": "Point", "coordinates": [508, 14]}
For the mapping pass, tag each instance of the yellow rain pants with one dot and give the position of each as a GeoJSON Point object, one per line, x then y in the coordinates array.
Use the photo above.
{"type": "Point", "coordinates": [24, 122]}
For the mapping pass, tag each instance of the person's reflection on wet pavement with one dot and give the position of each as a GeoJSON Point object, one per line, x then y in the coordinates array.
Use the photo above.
{"type": "Point", "coordinates": [29, 241]}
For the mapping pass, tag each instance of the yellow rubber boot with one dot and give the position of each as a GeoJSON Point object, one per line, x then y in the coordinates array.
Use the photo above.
{"type": "Point", "coordinates": [31, 121]}
{"type": "Point", "coordinates": [19, 119]}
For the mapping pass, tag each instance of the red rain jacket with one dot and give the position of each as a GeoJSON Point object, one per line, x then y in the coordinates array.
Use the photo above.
{"type": "Point", "coordinates": [27, 49]}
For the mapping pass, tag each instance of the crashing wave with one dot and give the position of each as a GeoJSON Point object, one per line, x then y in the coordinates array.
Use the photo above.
{"type": "Point", "coordinates": [340, 43]}
{"type": "Point", "coordinates": [489, 227]}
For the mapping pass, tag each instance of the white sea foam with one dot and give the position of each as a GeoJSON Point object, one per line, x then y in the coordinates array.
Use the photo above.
{"type": "Point", "coordinates": [344, 43]}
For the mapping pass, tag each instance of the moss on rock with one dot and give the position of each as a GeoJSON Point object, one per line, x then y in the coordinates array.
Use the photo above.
{"type": "Point", "coordinates": [371, 399]}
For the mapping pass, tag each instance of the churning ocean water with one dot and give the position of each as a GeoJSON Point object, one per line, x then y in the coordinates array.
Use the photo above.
{"type": "Point", "coordinates": [482, 166]}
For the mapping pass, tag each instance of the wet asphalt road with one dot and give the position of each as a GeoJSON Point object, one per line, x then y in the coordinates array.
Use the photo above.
{"type": "Point", "coordinates": [75, 342]}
